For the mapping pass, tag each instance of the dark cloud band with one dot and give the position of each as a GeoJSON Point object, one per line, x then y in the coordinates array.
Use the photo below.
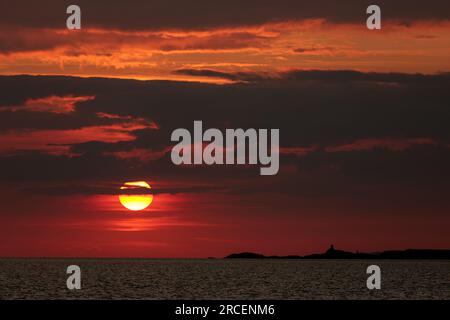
{"type": "Point", "coordinates": [200, 14]}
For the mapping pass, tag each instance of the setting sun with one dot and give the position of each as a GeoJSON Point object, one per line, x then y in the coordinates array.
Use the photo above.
{"type": "Point", "coordinates": [135, 196]}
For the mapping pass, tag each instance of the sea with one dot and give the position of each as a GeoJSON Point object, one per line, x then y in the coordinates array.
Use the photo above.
{"type": "Point", "coordinates": [222, 279]}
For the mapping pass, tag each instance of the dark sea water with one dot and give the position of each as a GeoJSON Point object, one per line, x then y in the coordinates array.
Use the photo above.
{"type": "Point", "coordinates": [222, 279]}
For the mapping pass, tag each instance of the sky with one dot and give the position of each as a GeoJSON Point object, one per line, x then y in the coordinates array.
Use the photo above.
{"type": "Point", "coordinates": [363, 118]}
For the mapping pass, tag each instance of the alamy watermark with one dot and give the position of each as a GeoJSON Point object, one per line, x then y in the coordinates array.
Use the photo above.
{"type": "Point", "coordinates": [73, 21]}
{"type": "Point", "coordinates": [373, 22]}
{"type": "Point", "coordinates": [229, 150]}
{"type": "Point", "coordinates": [74, 280]}
{"type": "Point", "coordinates": [374, 279]}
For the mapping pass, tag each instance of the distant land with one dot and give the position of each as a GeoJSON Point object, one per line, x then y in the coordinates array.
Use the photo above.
{"type": "Point", "coordinates": [332, 253]}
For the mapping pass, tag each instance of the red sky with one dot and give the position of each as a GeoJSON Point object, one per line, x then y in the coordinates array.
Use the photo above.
{"type": "Point", "coordinates": [363, 118]}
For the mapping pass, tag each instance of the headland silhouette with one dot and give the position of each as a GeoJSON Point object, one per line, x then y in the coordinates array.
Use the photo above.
{"type": "Point", "coordinates": [332, 253]}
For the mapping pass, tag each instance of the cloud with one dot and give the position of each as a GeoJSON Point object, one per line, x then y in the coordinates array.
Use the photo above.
{"type": "Point", "coordinates": [313, 49]}
{"type": "Point", "coordinates": [59, 141]}
{"type": "Point", "coordinates": [141, 154]}
{"type": "Point", "coordinates": [110, 128]}
{"type": "Point", "coordinates": [104, 44]}
{"type": "Point", "coordinates": [323, 76]}
{"type": "Point", "coordinates": [52, 104]}
{"type": "Point", "coordinates": [113, 189]}
{"type": "Point", "coordinates": [269, 47]}
{"type": "Point", "coordinates": [239, 76]}
{"type": "Point", "coordinates": [392, 144]}
{"type": "Point", "coordinates": [389, 144]}
{"type": "Point", "coordinates": [178, 14]}
{"type": "Point", "coordinates": [336, 128]}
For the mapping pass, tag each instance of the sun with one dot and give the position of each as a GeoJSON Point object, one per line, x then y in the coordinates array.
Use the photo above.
{"type": "Point", "coordinates": [135, 196]}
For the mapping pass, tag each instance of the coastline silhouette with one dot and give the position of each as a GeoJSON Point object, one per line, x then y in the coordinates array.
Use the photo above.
{"type": "Point", "coordinates": [332, 253]}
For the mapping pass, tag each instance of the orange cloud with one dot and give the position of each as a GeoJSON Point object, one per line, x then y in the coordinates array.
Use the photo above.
{"type": "Point", "coordinates": [311, 44]}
